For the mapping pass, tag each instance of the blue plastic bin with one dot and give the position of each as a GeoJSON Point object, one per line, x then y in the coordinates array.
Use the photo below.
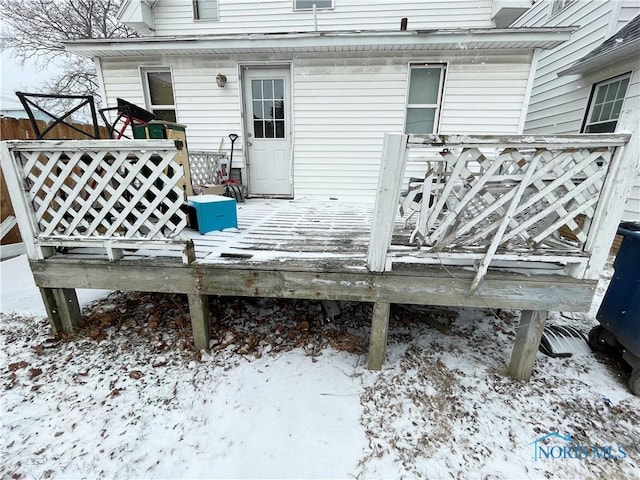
{"type": "Point", "coordinates": [214, 212]}
{"type": "Point", "coordinates": [619, 312]}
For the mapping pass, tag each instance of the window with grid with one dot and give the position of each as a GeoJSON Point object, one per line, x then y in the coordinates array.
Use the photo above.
{"type": "Point", "coordinates": [159, 93]}
{"type": "Point", "coordinates": [606, 104]}
{"type": "Point", "coordinates": [268, 106]}
{"type": "Point", "coordinates": [308, 4]}
{"type": "Point", "coordinates": [559, 5]}
{"type": "Point", "coordinates": [205, 10]}
{"type": "Point", "coordinates": [424, 98]}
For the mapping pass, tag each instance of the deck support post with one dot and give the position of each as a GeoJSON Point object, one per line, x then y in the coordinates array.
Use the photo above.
{"type": "Point", "coordinates": [528, 337]}
{"type": "Point", "coordinates": [62, 308]}
{"type": "Point", "coordinates": [378, 340]}
{"type": "Point", "coordinates": [199, 312]}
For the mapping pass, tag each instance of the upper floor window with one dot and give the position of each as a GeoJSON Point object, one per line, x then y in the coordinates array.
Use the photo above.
{"type": "Point", "coordinates": [158, 86]}
{"type": "Point", "coordinates": [205, 9]}
{"type": "Point", "coordinates": [606, 104]}
{"type": "Point", "coordinates": [424, 98]}
{"type": "Point", "coordinates": [559, 5]}
{"type": "Point", "coordinates": [308, 4]}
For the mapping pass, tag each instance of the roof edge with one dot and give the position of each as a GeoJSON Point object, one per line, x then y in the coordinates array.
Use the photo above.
{"type": "Point", "coordinates": [547, 37]}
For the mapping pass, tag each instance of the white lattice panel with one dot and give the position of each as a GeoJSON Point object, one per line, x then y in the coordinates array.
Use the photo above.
{"type": "Point", "coordinates": [204, 167]}
{"type": "Point", "coordinates": [517, 199]}
{"type": "Point", "coordinates": [114, 189]}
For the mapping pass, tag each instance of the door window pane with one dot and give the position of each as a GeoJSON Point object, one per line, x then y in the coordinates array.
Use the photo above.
{"type": "Point", "coordinates": [167, 115]}
{"type": "Point", "coordinates": [268, 104]}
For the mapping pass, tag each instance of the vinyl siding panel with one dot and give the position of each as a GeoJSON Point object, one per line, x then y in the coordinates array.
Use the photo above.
{"type": "Point", "coordinates": [558, 105]}
{"type": "Point", "coordinates": [342, 107]}
{"type": "Point", "coordinates": [632, 102]}
{"type": "Point", "coordinates": [175, 17]}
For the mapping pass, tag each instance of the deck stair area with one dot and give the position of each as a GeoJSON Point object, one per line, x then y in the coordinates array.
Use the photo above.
{"type": "Point", "coordinates": [489, 229]}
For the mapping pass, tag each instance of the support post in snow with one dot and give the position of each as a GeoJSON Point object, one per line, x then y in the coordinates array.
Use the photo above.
{"type": "Point", "coordinates": [528, 337]}
{"type": "Point", "coordinates": [199, 312]}
{"type": "Point", "coordinates": [62, 308]}
{"type": "Point", "coordinates": [378, 339]}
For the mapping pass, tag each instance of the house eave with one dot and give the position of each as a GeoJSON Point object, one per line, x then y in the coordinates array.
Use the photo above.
{"type": "Point", "coordinates": [312, 42]}
{"type": "Point", "coordinates": [587, 65]}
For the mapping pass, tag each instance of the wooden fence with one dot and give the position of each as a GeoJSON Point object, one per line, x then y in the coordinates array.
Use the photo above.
{"type": "Point", "coordinates": [20, 129]}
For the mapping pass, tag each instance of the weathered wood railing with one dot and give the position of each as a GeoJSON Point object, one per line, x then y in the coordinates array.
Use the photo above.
{"type": "Point", "coordinates": [113, 194]}
{"type": "Point", "coordinates": [518, 198]}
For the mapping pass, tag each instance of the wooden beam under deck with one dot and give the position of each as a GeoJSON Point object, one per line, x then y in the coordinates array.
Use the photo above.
{"type": "Point", "coordinates": [426, 285]}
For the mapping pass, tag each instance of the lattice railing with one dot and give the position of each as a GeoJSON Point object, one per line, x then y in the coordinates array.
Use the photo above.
{"type": "Point", "coordinates": [74, 191]}
{"type": "Point", "coordinates": [521, 197]}
{"type": "Point", "coordinates": [206, 167]}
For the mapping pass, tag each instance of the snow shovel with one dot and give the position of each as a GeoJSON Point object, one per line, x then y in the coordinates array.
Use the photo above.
{"type": "Point", "coordinates": [232, 188]}
{"type": "Point", "coordinates": [563, 342]}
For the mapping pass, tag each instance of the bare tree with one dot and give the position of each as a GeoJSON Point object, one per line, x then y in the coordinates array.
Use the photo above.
{"type": "Point", "coordinates": [37, 30]}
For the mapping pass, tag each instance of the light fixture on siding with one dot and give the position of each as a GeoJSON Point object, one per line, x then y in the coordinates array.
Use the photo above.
{"type": "Point", "coordinates": [221, 80]}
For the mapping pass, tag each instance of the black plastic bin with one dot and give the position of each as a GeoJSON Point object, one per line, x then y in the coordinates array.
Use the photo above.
{"type": "Point", "coordinates": [619, 313]}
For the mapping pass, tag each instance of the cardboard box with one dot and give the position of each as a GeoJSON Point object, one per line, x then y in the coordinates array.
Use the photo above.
{"type": "Point", "coordinates": [214, 212]}
{"type": "Point", "coordinates": [213, 190]}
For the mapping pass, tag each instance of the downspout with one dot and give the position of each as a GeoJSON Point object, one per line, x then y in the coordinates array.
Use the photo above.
{"type": "Point", "coordinates": [101, 89]}
{"type": "Point", "coordinates": [527, 93]}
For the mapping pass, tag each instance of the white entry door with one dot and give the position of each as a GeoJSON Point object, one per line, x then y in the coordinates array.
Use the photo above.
{"type": "Point", "coordinates": [267, 98]}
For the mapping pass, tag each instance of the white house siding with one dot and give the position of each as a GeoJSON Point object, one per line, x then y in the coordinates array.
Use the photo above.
{"type": "Point", "coordinates": [175, 17]}
{"type": "Point", "coordinates": [342, 108]}
{"type": "Point", "coordinates": [558, 104]}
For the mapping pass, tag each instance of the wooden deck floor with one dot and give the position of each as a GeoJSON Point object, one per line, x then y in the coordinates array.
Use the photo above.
{"type": "Point", "coordinates": [300, 249]}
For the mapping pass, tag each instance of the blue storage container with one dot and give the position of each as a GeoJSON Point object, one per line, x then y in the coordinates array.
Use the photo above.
{"type": "Point", "coordinates": [214, 212]}
{"type": "Point", "coordinates": [619, 313]}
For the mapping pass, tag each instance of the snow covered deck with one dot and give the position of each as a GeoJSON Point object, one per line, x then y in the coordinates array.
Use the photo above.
{"type": "Point", "coordinates": [106, 214]}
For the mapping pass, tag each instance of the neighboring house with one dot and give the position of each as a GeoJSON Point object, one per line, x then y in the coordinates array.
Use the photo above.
{"type": "Point", "coordinates": [311, 90]}
{"type": "Point", "coordinates": [592, 82]}
{"type": "Point", "coordinates": [20, 113]}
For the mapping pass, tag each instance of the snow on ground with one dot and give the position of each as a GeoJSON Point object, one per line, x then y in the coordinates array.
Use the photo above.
{"type": "Point", "coordinates": [285, 394]}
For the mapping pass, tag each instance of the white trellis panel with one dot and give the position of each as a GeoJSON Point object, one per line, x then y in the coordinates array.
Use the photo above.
{"type": "Point", "coordinates": [205, 167]}
{"type": "Point", "coordinates": [118, 190]}
{"type": "Point", "coordinates": [502, 196]}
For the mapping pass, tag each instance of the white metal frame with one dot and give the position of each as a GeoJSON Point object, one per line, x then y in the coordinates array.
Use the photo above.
{"type": "Point", "coordinates": [441, 87]}
{"type": "Point", "coordinates": [196, 12]}
{"type": "Point", "coordinates": [557, 6]}
{"type": "Point", "coordinates": [144, 70]}
{"type": "Point", "coordinates": [594, 94]}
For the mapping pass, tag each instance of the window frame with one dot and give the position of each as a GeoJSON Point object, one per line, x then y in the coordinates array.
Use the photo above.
{"type": "Point", "coordinates": [144, 71]}
{"type": "Point", "coordinates": [558, 6]}
{"type": "Point", "coordinates": [440, 96]}
{"type": "Point", "coordinates": [196, 12]}
{"type": "Point", "coordinates": [309, 9]}
{"type": "Point", "coordinates": [586, 121]}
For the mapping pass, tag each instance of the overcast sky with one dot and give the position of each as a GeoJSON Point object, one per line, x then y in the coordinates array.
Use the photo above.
{"type": "Point", "coordinates": [14, 77]}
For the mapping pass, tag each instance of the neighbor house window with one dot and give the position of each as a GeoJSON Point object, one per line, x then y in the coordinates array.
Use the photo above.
{"type": "Point", "coordinates": [424, 98]}
{"type": "Point", "coordinates": [559, 5]}
{"type": "Point", "coordinates": [159, 93]}
{"type": "Point", "coordinates": [308, 4]}
{"type": "Point", "coordinates": [606, 104]}
{"type": "Point", "coordinates": [205, 9]}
